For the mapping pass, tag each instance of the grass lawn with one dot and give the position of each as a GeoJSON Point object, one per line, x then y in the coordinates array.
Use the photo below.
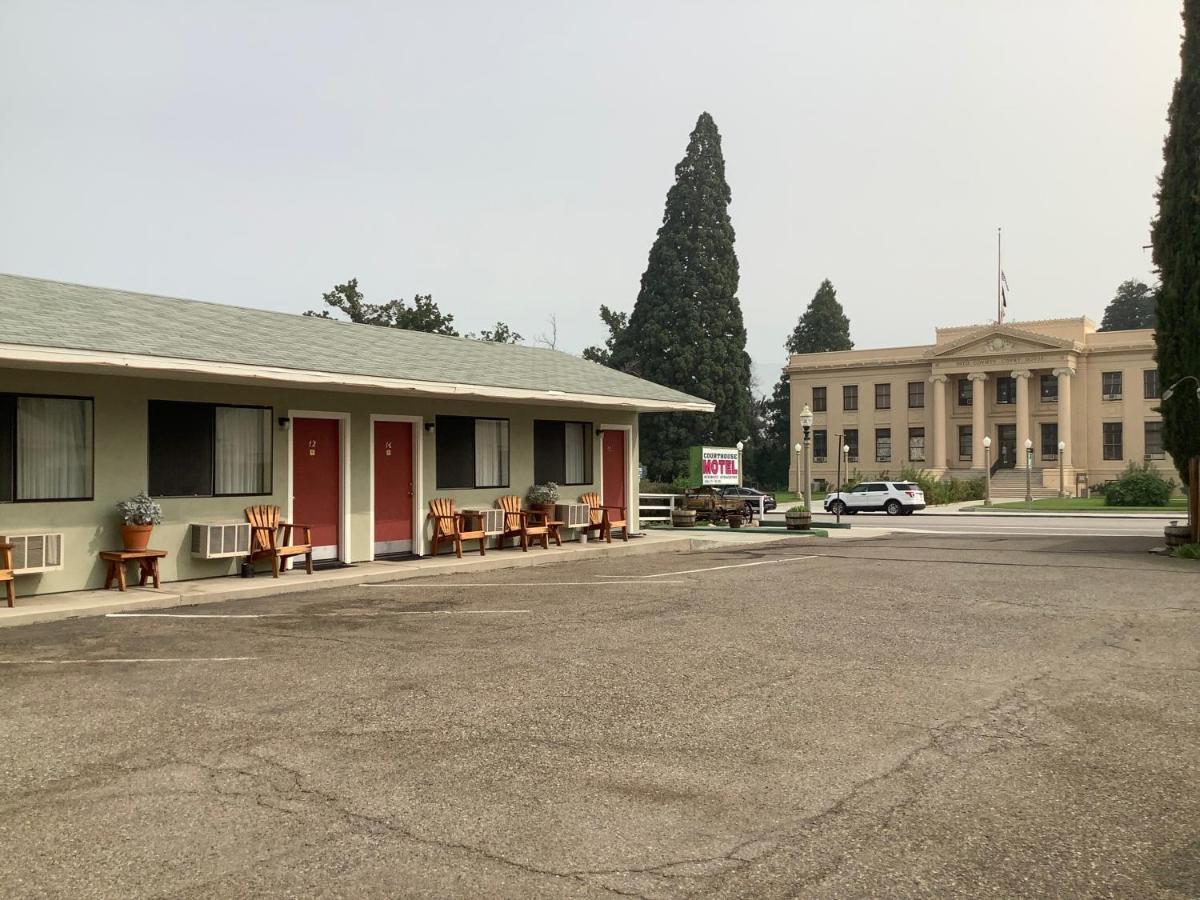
{"type": "Point", "coordinates": [1084, 504]}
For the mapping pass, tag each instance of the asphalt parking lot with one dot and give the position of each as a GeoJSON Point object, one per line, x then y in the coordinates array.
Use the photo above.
{"type": "Point", "coordinates": [917, 715]}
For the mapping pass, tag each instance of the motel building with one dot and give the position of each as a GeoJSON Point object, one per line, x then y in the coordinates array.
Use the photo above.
{"type": "Point", "coordinates": [351, 429]}
{"type": "Point", "coordinates": [930, 406]}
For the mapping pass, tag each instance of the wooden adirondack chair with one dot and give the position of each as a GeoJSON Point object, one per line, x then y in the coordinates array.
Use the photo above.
{"type": "Point", "coordinates": [6, 573]}
{"type": "Point", "coordinates": [272, 539]}
{"type": "Point", "coordinates": [524, 524]}
{"type": "Point", "coordinates": [452, 526]}
{"type": "Point", "coordinates": [603, 518]}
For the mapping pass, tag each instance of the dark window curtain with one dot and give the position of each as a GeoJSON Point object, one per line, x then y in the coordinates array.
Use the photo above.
{"type": "Point", "coordinates": [455, 440]}
{"type": "Point", "coordinates": [549, 452]}
{"type": "Point", "coordinates": [180, 449]}
{"type": "Point", "coordinates": [8, 444]}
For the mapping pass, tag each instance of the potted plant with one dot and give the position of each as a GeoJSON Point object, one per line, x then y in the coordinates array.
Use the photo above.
{"type": "Point", "coordinates": [542, 498]}
{"type": "Point", "coordinates": [140, 514]}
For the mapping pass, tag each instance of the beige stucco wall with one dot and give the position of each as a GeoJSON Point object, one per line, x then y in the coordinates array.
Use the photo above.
{"type": "Point", "coordinates": [121, 467]}
{"type": "Point", "coordinates": [961, 351]}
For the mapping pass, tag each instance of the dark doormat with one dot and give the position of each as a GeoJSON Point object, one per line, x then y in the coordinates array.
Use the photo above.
{"type": "Point", "coordinates": [324, 565]}
{"type": "Point", "coordinates": [403, 556]}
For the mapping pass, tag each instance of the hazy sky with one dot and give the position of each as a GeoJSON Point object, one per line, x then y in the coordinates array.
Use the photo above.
{"type": "Point", "coordinates": [513, 158]}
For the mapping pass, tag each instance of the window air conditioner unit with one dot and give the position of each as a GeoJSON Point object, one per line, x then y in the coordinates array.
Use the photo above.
{"type": "Point", "coordinates": [35, 552]}
{"type": "Point", "coordinates": [1112, 396]}
{"type": "Point", "coordinates": [493, 518]}
{"type": "Point", "coordinates": [572, 515]}
{"type": "Point", "coordinates": [220, 540]}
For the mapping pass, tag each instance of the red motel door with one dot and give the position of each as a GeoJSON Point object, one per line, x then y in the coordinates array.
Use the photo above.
{"type": "Point", "coordinates": [317, 482]}
{"type": "Point", "coordinates": [393, 487]}
{"type": "Point", "coordinates": [612, 452]}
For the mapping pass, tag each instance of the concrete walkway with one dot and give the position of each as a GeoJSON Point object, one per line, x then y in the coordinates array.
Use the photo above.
{"type": "Point", "coordinates": [51, 607]}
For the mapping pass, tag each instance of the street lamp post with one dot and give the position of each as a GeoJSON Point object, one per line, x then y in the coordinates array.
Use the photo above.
{"type": "Point", "coordinates": [846, 453]}
{"type": "Point", "coordinates": [987, 470]}
{"type": "Point", "coordinates": [1028, 471]}
{"type": "Point", "coordinates": [799, 448]}
{"type": "Point", "coordinates": [740, 445]}
{"type": "Point", "coordinates": [806, 420]}
{"type": "Point", "coordinates": [1062, 487]}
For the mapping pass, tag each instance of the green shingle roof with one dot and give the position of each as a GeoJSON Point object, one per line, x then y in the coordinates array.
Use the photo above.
{"type": "Point", "coordinates": [55, 314]}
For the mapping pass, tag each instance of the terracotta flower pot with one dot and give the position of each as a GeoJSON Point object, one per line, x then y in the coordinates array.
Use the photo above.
{"type": "Point", "coordinates": [136, 537]}
{"type": "Point", "coordinates": [545, 508]}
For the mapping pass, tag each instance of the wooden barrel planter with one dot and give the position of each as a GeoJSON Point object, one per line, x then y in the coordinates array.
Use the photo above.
{"type": "Point", "coordinates": [1177, 535]}
{"type": "Point", "coordinates": [735, 520]}
{"type": "Point", "coordinates": [683, 518]}
{"type": "Point", "coordinates": [798, 519]}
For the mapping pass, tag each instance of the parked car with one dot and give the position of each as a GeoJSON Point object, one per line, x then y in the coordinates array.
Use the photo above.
{"type": "Point", "coordinates": [711, 504]}
{"type": "Point", "coordinates": [750, 496]}
{"type": "Point", "coordinates": [892, 497]}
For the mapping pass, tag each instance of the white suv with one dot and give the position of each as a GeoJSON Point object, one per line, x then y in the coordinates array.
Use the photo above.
{"type": "Point", "coordinates": [892, 497]}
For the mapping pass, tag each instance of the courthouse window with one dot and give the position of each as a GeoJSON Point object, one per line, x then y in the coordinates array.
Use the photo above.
{"type": "Point", "coordinates": [1049, 388]}
{"type": "Point", "coordinates": [471, 453]}
{"type": "Point", "coordinates": [916, 444]}
{"type": "Point", "coordinates": [818, 399]}
{"type": "Point", "coordinates": [1049, 440]}
{"type": "Point", "coordinates": [883, 396]}
{"type": "Point", "coordinates": [850, 397]}
{"type": "Point", "coordinates": [916, 395]}
{"type": "Point", "coordinates": [562, 452]}
{"type": "Point", "coordinates": [965, 442]}
{"type": "Point", "coordinates": [820, 444]}
{"type": "Point", "coordinates": [965, 392]}
{"type": "Point", "coordinates": [1113, 443]}
{"type": "Point", "coordinates": [1150, 384]}
{"type": "Point", "coordinates": [883, 445]}
{"type": "Point", "coordinates": [852, 443]}
{"type": "Point", "coordinates": [1154, 440]}
{"type": "Point", "coordinates": [1006, 390]}
{"type": "Point", "coordinates": [206, 449]}
{"type": "Point", "coordinates": [45, 448]}
{"type": "Point", "coordinates": [1111, 385]}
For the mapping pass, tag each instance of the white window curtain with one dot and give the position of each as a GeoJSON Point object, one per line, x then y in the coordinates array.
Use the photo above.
{"type": "Point", "coordinates": [491, 452]}
{"type": "Point", "coordinates": [576, 470]}
{"type": "Point", "coordinates": [54, 448]}
{"type": "Point", "coordinates": [243, 450]}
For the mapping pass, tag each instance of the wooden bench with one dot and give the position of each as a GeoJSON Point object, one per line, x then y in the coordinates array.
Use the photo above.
{"type": "Point", "coordinates": [147, 561]}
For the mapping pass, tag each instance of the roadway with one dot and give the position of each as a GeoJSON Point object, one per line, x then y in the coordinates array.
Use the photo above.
{"type": "Point", "coordinates": [999, 524]}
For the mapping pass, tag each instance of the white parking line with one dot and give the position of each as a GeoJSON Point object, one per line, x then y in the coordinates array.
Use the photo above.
{"type": "Point", "coordinates": [527, 583]}
{"type": "Point", "coordinates": [188, 615]}
{"type": "Point", "coordinates": [760, 562]}
{"type": "Point", "coordinates": [159, 659]}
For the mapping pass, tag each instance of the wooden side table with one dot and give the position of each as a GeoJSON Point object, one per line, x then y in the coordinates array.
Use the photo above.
{"type": "Point", "coordinates": [147, 561]}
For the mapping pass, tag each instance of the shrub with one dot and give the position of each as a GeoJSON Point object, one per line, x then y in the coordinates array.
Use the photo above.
{"type": "Point", "coordinates": [1187, 551]}
{"type": "Point", "coordinates": [1139, 485]}
{"type": "Point", "coordinates": [938, 491]}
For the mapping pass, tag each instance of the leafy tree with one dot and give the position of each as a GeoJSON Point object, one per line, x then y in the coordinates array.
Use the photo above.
{"type": "Point", "coordinates": [823, 327]}
{"type": "Point", "coordinates": [686, 329]}
{"type": "Point", "coordinates": [1176, 242]}
{"type": "Point", "coordinates": [617, 322]}
{"type": "Point", "coordinates": [423, 315]}
{"type": "Point", "coordinates": [500, 334]}
{"type": "Point", "coordinates": [1131, 307]}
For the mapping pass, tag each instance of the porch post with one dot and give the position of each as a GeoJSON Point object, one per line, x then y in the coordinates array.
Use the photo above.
{"type": "Point", "coordinates": [939, 421]}
{"type": "Point", "coordinates": [978, 420]}
{"type": "Point", "coordinates": [1064, 413]}
{"type": "Point", "coordinates": [1021, 376]}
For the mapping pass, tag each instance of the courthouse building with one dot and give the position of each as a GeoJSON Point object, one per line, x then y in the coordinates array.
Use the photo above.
{"type": "Point", "coordinates": [930, 406]}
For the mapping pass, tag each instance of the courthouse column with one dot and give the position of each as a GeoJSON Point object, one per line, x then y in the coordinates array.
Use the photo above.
{"type": "Point", "coordinates": [939, 421]}
{"type": "Point", "coordinates": [978, 421]}
{"type": "Point", "coordinates": [1064, 412]}
{"type": "Point", "coordinates": [1022, 379]}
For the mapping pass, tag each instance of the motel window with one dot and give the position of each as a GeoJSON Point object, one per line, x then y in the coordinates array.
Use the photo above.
{"type": "Point", "coordinates": [1150, 384]}
{"type": "Point", "coordinates": [916, 395]}
{"type": "Point", "coordinates": [850, 397]}
{"type": "Point", "coordinates": [562, 452]}
{"type": "Point", "coordinates": [883, 396]}
{"type": "Point", "coordinates": [852, 442]}
{"type": "Point", "coordinates": [1154, 440]}
{"type": "Point", "coordinates": [1110, 385]}
{"type": "Point", "coordinates": [1049, 385]}
{"type": "Point", "coordinates": [45, 448]}
{"type": "Point", "coordinates": [916, 444]}
{"type": "Point", "coordinates": [965, 442]}
{"type": "Point", "coordinates": [883, 445]}
{"type": "Point", "coordinates": [1049, 440]}
{"type": "Point", "coordinates": [471, 453]}
{"type": "Point", "coordinates": [819, 399]}
{"type": "Point", "coordinates": [1006, 390]}
{"type": "Point", "coordinates": [965, 392]}
{"type": "Point", "coordinates": [820, 445]}
{"type": "Point", "coordinates": [208, 450]}
{"type": "Point", "coordinates": [1113, 443]}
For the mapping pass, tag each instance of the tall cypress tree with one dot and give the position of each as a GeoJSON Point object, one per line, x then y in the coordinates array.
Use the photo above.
{"type": "Point", "coordinates": [686, 329]}
{"type": "Point", "coordinates": [1176, 240]}
{"type": "Point", "coordinates": [824, 326]}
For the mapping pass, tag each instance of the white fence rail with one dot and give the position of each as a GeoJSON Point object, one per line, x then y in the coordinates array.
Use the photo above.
{"type": "Point", "coordinates": [657, 507]}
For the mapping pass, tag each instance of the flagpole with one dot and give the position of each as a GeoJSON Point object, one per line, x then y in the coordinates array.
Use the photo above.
{"type": "Point", "coordinates": [999, 290]}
